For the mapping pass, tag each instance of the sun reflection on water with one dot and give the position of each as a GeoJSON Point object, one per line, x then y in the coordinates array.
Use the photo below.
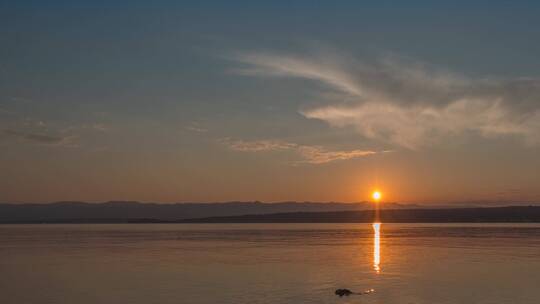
{"type": "Point", "coordinates": [377, 247]}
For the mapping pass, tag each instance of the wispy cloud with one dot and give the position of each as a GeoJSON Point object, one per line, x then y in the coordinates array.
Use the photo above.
{"type": "Point", "coordinates": [408, 103]}
{"type": "Point", "coordinates": [321, 70]}
{"type": "Point", "coordinates": [6, 112]}
{"type": "Point", "coordinates": [257, 145]}
{"type": "Point", "coordinates": [37, 138]}
{"type": "Point", "coordinates": [196, 127]}
{"type": "Point", "coordinates": [319, 155]}
{"type": "Point", "coordinates": [25, 127]}
{"type": "Point", "coordinates": [419, 125]}
{"type": "Point", "coordinates": [100, 127]}
{"type": "Point", "coordinates": [309, 154]}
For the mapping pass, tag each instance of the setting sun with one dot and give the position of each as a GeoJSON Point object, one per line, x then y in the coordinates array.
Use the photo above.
{"type": "Point", "coordinates": [376, 196]}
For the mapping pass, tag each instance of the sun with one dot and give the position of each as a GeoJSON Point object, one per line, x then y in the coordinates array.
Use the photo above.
{"type": "Point", "coordinates": [376, 195]}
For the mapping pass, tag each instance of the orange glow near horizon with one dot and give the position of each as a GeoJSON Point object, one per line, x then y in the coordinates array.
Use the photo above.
{"type": "Point", "coordinates": [377, 247]}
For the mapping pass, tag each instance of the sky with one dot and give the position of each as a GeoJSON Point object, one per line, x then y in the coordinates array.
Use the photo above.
{"type": "Point", "coordinates": [178, 101]}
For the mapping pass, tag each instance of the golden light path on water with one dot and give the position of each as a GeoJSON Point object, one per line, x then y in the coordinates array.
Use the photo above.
{"type": "Point", "coordinates": [377, 247]}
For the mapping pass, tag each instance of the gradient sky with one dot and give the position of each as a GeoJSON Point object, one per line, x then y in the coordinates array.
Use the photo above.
{"type": "Point", "coordinates": [289, 100]}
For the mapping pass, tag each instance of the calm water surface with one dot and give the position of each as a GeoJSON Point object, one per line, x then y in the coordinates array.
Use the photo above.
{"type": "Point", "coordinates": [269, 263]}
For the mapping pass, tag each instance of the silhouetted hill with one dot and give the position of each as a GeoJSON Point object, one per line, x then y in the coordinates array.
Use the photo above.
{"type": "Point", "coordinates": [456, 215]}
{"type": "Point", "coordinates": [135, 211]}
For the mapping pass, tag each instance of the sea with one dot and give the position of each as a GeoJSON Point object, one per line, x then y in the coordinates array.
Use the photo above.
{"type": "Point", "coordinates": [269, 263]}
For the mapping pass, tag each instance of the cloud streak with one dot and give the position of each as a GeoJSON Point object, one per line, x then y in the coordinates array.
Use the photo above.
{"type": "Point", "coordinates": [196, 127]}
{"type": "Point", "coordinates": [409, 104]}
{"type": "Point", "coordinates": [321, 70]}
{"type": "Point", "coordinates": [309, 154]}
{"type": "Point", "coordinates": [36, 138]}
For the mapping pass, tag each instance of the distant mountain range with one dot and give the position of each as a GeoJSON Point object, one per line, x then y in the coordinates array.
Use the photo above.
{"type": "Point", "coordinates": [122, 211]}
{"type": "Point", "coordinates": [254, 212]}
{"type": "Point", "coordinates": [516, 214]}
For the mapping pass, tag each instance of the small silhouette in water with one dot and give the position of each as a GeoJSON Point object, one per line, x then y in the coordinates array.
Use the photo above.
{"type": "Point", "coordinates": [343, 292]}
{"type": "Point", "coordinates": [347, 292]}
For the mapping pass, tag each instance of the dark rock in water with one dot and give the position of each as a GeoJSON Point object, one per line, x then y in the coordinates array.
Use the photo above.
{"type": "Point", "coordinates": [346, 292]}
{"type": "Point", "coordinates": [343, 292]}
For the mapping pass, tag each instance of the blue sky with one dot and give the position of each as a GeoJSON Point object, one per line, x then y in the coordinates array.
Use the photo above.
{"type": "Point", "coordinates": [302, 100]}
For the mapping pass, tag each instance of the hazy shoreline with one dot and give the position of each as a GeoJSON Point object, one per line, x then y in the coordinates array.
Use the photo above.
{"type": "Point", "coordinates": [510, 214]}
